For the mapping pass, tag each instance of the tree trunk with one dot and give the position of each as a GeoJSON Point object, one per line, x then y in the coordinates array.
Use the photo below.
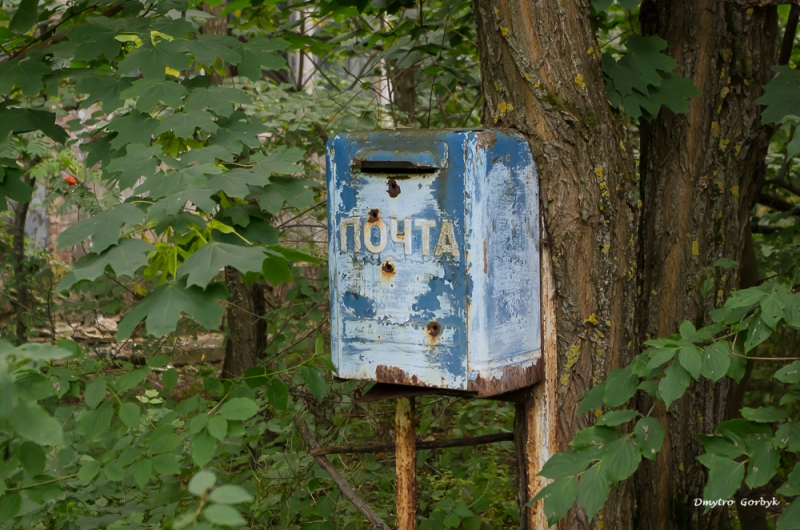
{"type": "Point", "coordinates": [700, 172]}
{"type": "Point", "coordinates": [247, 335]}
{"type": "Point", "coordinates": [247, 329]}
{"type": "Point", "coordinates": [22, 300]}
{"type": "Point", "coordinates": [541, 76]}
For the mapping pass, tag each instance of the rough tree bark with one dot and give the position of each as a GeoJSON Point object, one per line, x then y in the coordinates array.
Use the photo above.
{"type": "Point", "coordinates": [22, 302]}
{"type": "Point", "coordinates": [700, 173]}
{"type": "Point", "coordinates": [541, 75]}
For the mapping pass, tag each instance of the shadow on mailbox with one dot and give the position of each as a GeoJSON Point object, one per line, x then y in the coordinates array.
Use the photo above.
{"type": "Point", "coordinates": [434, 259]}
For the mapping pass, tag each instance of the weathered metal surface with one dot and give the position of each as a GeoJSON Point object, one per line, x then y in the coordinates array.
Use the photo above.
{"type": "Point", "coordinates": [406, 465]}
{"type": "Point", "coordinates": [434, 259]}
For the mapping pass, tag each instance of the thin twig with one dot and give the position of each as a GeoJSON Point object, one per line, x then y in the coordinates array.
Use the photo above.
{"type": "Point", "coordinates": [347, 490]}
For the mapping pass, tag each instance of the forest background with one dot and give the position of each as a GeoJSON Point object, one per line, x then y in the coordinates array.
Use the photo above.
{"type": "Point", "coordinates": [183, 143]}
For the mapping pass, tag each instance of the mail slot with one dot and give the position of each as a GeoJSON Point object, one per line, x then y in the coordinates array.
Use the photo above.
{"type": "Point", "coordinates": [434, 259]}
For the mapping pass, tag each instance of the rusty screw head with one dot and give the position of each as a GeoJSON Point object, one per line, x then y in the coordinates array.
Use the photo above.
{"type": "Point", "coordinates": [433, 328]}
{"type": "Point", "coordinates": [394, 188]}
{"type": "Point", "coordinates": [388, 267]}
{"type": "Point", "coordinates": [374, 215]}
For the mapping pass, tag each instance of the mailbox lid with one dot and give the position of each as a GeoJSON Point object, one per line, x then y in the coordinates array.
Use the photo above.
{"type": "Point", "coordinates": [398, 303]}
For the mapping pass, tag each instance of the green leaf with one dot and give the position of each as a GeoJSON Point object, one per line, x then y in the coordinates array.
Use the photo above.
{"type": "Point", "coordinates": [114, 471]}
{"type": "Point", "coordinates": [621, 459]}
{"type": "Point", "coordinates": [280, 190]}
{"type": "Point", "coordinates": [131, 379]}
{"type": "Point", "coordinates": [166, 464]}
{"type": "Point", "coordinates": [89, 470]}
{"type": "Point", "coordinates": [565, 464]}
{"type": "Point", "coordinates": [660, 356]}
{"type": "Point", "coordinates": [691, 361]}
{"type": "Point", "coordinates": [781, 95]}
{"type": "Point", "coordinates": [26, 16]}
{"type": "Point", "coordinates": [124, 259]}
{"type": "Point", "coordinates": [764, 414]}
{"type": "Point", "coordinates": [673, 384]}
{"type": "Point", "coordinates": [13, 188]}
{"type": "Point", "coordinates": [258, 53]}
{"type": "Point", "coordinates": [182, 180]}
{"type": "Point", "coordinates": [139, 161]}
{"type": "Point", "coordinates": [724, 477]}
{"type": "Point", "coordinates": [27, 120]}
{"type": "Point", "coordinates": [198, 423]}
{"type": "Point", "coordinates": [152, 91]}
{"type": "Point", "coordinates": [595, 437]}
{"type": "Point", "coordinates": [789, 374]}
{"type": "Point", "coordinates": [183, 124]}
{"type": "Point", "coordinates": [204, 265]}
{"type": "Point", "coordinates": [164, 307]}
{"type": "Point", "coordinates": [791, 313]}
{"type": "Point", "coordinates": [169, 379]}
{"type": "Point", "coordinates": [278, 393]}
{"type": "Point", "coordinates": [223, 515]}
{"type": "Point", "coordinates": [218, 427]}
{"type": "Point", "coordinates": [592, 399]}
{"type": "Point", "coordinates": [233, 132]}
{"type": "Point", "coordinates": [601, 5]}
{"type": "Point", "coordinates": [792, 485]}
{"type": "Point", "coordinates": [95, 393]}
{"type": "Point", "coordinates": [32, 458]}
{"type": "Point", "coordinates": [558, 499]}
{"type": "Point", "coordinates": [9, 506]}
{"type": "Point", "coordinates": [650, 436]}
{"type": "Point", "coordinates": [788, 435]}
{"type": "Point", "coordinates": [230, 494]}
{"type": "Point", "coordinates": [104, 227]}
{"type": "Point", "coordinates": [716, 361]}
{"type": "Point", "coordinates": [97, 37]}
{"type": "Point", "coordinates": [238, 409]}
{"type": "Point", "coordinates": [97, 422]}
{"type": "Point", "coordinates": [721, 446]}
{"type": "Point", "coordinates": [203, 447]}
{"type": "Point", "coordinates": [790, 518]}
{"type": "Point", "coordinates": [129, 414]}
{"type": "Point", "coordinates": [737, 368]}
{"type": "Point", "coordinates": [235, 182]}
{"type": "Point", "coordinates": [207, 48]}
{"type": "Point", "coordinates": [32, 423]}
{"type": "Point", "coordinates": [757, 332]}
{"type": "Point", "coordinates": [762, 467]}
{"type": "Point", "coordinates": [620, 386]}
{"type": "Point", "coordinates": [616, 417]}
{"type": "Point", "coordinates": [276, 270]}
{"type": "Point", "coordinates": [217, 98]}
{"type": "Point", "coordinates": [452, 520]}
{"type": "Point", "coordinates": [202, 482]}
{"type": "Point", "coordinates": [142, 470]}
{"type": "Point", "coordinates": [772, 310]}
{"type": "Point", "coordinates": [314, 381]}
{"type": "Point", "coordinates": [133, 128]}
{"type": "Point", "coordinates": [153, 60]}
{"type": "Point", "coordinates": [593, 490]}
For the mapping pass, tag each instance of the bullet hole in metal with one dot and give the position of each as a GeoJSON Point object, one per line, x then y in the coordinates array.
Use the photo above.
{"type": "Point", "coordinates": [394, 188]}
{"type": "Point", "coordinates": [433, 328]}
{"type": "Point", "coordinates": [388, 267]}
{"type": "Point", "coordinates": [374, 215]}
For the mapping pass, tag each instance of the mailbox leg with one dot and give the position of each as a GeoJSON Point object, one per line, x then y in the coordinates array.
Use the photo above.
{"type": "Point", "coordinates": [405, 439]}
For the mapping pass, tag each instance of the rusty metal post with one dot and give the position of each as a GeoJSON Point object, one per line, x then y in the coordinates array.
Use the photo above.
{"type": "Point", "coordinates": [406, 463]}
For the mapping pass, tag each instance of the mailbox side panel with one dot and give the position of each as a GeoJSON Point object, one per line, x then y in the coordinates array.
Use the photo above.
{"type": "Point", "coordinates": [379, 315]}
{"type": "Point", "coordinates": [504, 319]}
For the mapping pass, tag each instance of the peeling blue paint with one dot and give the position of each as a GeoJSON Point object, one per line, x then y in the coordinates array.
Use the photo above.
{"type": "Point", "coordinates": [468, 202]}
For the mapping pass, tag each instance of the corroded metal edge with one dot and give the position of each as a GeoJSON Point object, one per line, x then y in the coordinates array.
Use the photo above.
{"type": "Point", "coordinates": [514, 377]}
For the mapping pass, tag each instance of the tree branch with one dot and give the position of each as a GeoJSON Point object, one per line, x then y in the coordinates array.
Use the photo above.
{"type": "Point", "coordinates": [347, 490]}
{"type": "Point", "coordinates": [777, 204]}
{"type": "Point", "coordinates": [785, 185]}
{"type": "Point", "coordinates": [421, 445]}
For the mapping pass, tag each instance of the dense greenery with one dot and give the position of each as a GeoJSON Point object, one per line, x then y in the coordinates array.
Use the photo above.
{"type": "Point", "coordinates": [186, 152]}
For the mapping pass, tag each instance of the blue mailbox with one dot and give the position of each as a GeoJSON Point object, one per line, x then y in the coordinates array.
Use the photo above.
{"type": "Point", "coordinates": [434, 259]}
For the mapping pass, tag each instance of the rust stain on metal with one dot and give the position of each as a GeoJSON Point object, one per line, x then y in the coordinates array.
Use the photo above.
{"type": "Point", "coordinates": [394, 375]}
{"type": "Point", "coordinates": [406, 450]}
{"type": "Point", "coordinates": [513, 377]}
{"type": "Point", "coordinates": [388, 270]}
{"type": "Point", "coordinates": [486, 139]}
{"type": "Point", "coordinates": [394, 188]}
{"type": "Point", "coordinates": [374, 215]}
{"type": "Point", "coordinates": [433, 331]}
{"type": "Point", "coordinates": [485, 257]}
